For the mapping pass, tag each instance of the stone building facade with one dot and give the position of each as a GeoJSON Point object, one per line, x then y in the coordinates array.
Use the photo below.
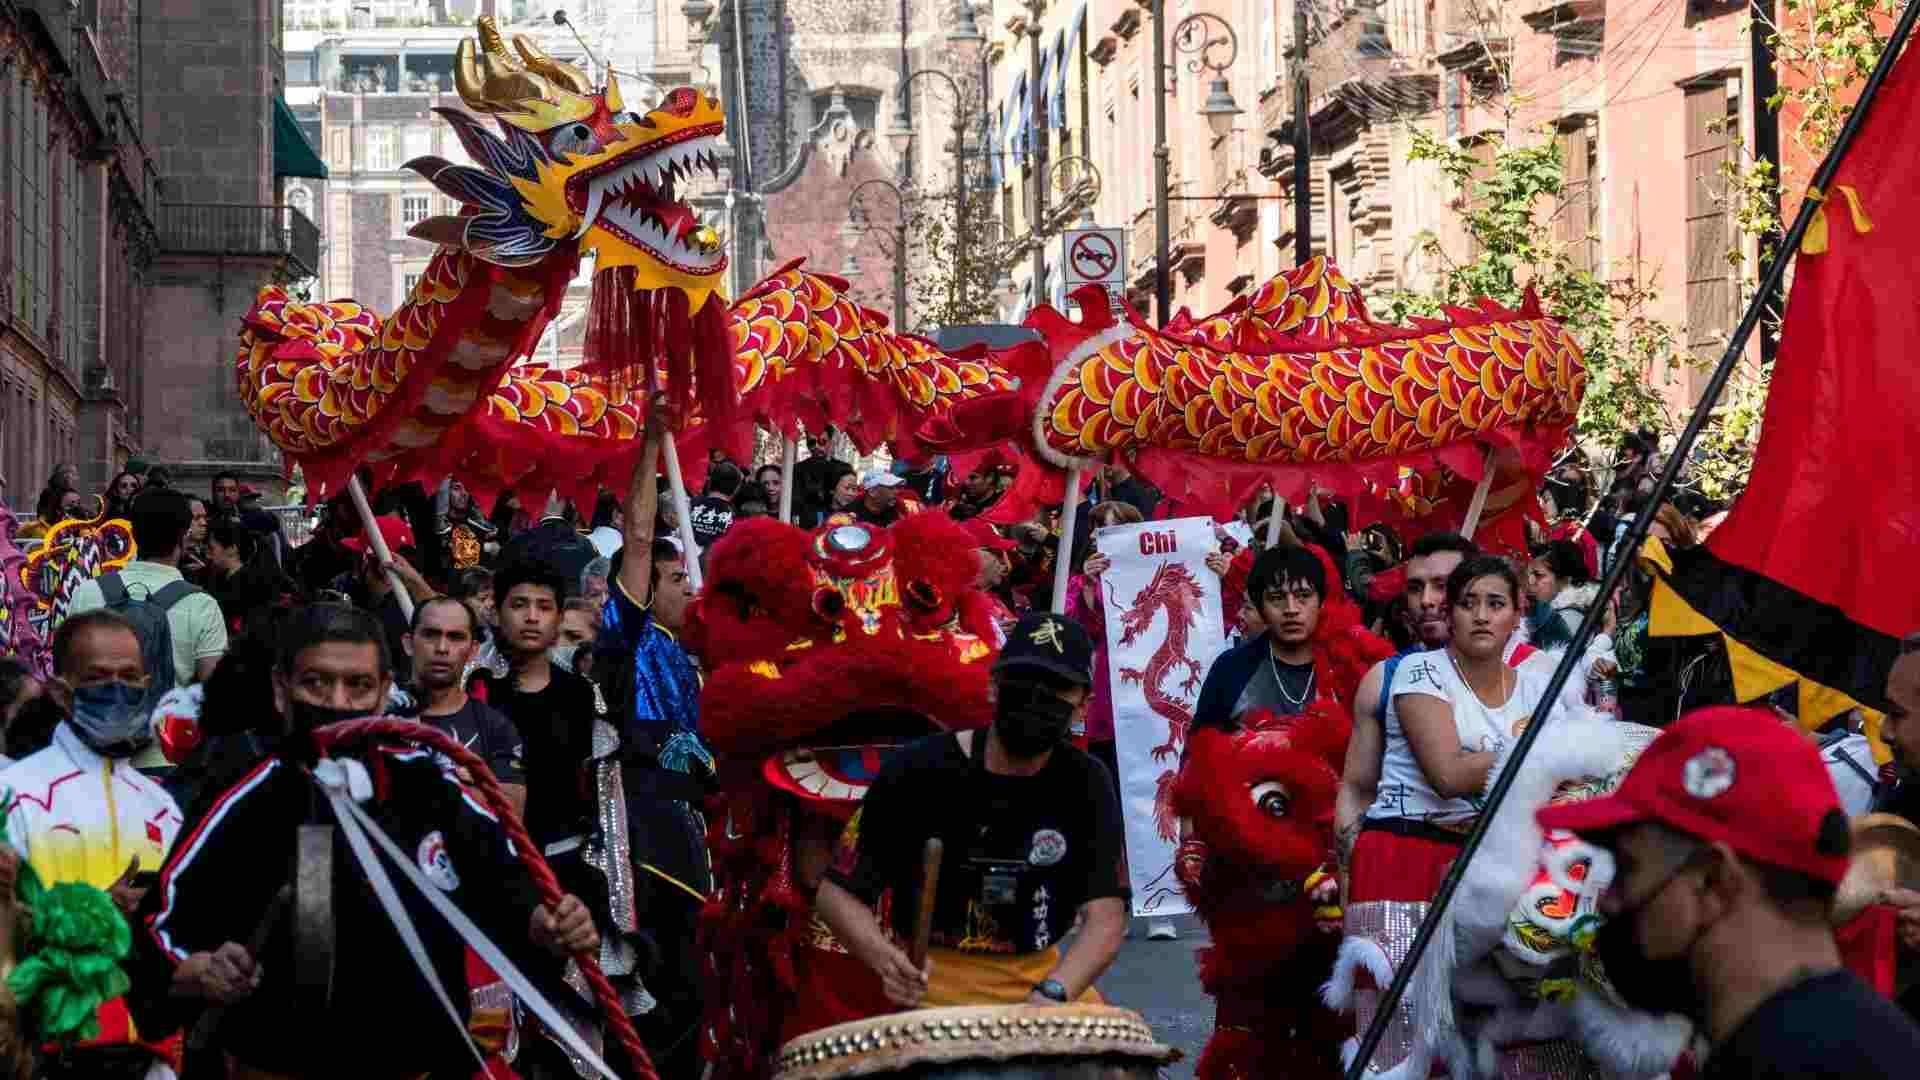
{"type": "Point", "coordinates": [78, 196]}
{"type": "Point", "coordinates": [823, 99]}
{"type": "Point", "coordinates": [1646, 101]}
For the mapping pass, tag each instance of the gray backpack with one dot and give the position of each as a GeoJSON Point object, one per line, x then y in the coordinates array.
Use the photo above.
{"type": "Point", "coordinates": [148, 614]}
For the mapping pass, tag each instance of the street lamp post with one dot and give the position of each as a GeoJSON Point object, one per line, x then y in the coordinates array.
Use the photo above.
{"type": "Point", "coordinates": [1198, 35]}
{"type": "Point", "coordinates": [1302, 142]}
{"type": "Point", "coordinates": [857, 214]}
{"type": "Point", "coordinates": [1037, 148]}
{"type": "Point", "coordinates": [903, 134]}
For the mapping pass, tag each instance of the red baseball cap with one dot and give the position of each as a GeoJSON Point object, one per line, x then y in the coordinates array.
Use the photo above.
{"type": "Point", "coordinates": [393, 529]}
{"type": "Point", "coordinates": [986, 536]}
{"type": "Point", "coordinates": [1734, 775]}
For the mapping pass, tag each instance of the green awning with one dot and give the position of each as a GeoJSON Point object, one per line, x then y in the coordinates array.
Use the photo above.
{"type": "Point", "coordinates": [293, 153]}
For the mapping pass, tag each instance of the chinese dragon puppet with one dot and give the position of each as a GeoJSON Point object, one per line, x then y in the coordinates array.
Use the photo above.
{"type": "Point", "coordinates": [573, 172]}
{"type": "Point", "coordinates": [826, 650]}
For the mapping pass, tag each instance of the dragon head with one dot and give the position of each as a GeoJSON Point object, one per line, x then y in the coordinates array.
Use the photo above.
{"type": "Point", "coordinates": [828, 649]}
{"type": "Point", "coordinates": [573, 165]}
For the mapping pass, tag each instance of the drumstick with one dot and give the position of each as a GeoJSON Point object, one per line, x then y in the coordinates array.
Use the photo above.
{"type": "Point", "coordinates": [929, 895]}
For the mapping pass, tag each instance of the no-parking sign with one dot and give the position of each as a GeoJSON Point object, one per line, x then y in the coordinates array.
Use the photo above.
{"type": "Point", "coordinates": [1095, 256]}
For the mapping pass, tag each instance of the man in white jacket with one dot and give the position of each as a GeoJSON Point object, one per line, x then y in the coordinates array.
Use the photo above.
{"type": "Point", "coordinates": [78, 811]}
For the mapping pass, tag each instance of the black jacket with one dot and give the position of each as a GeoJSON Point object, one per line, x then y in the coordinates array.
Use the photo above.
{"type": "Point", "coordinates": [219, 880]}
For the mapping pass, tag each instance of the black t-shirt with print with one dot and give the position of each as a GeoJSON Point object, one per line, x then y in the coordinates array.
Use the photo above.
{"type": "Point", "coordinates": [487, 732]}
{"type": "Point", "coordinates": [1022, 853]}
{"type": "Point", "coordinates": [1830, 1026]}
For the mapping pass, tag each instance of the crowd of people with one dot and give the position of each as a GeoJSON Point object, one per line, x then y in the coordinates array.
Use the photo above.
{"type": "Point", "coordinates": [548, 649]}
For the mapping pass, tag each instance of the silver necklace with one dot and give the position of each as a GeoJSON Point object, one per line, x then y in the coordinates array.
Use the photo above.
{"type": "Point", "coordinates": [1487, 711]}
{"type": "Point", "coordinates": [1305, 692]}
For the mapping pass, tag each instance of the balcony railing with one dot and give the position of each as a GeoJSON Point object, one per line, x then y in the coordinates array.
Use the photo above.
{"type": "Point", "coordinates": [216, 229]}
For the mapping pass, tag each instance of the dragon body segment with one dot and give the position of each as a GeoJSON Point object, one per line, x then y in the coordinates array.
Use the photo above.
{"type": "Point", "coordinates": [1297, 382]}
{"type": "Point", "coordinates": [1285, 381]}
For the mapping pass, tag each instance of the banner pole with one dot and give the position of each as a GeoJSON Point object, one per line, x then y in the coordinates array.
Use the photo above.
{"type": "Point", "coordinates": [789, 454]}
{"type": "Point", "coordinates": [1479, 503]}
{"type": "Point", "coordinates": [379, 544]}
{"type": "Point", "coordinates": [1636, 535]}
{"type": "Point", "coordinates": [1069, 518]}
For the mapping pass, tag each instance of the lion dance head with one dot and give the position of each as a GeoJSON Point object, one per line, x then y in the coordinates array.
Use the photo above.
{"type": "Point", "coordinates": [826, 650]}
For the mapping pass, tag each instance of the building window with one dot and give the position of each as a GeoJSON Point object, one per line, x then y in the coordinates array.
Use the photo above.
{"type": "Point", "coordinates": [419, 142]}
{"type": "Point", "coordinates": [72, 269]}
{"type": "Point", "coordinates": [32, 193]}
{"type": "Point", "coordinates": [1712, 110]}
{"type": "Point", "coordinates": [415, 208]}
{"type": "Point", "coordinates": [379, 149]}
{"type": "Point", "coordinates": [408, 282]}
{"type": "Point", "coordinates": [1576, 222]}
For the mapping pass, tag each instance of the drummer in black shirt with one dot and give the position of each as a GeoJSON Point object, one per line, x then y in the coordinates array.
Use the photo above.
{"type": "Point", "coordinates": [441, 641]}
{"type": "Point", "coordinates": [1030, 828]}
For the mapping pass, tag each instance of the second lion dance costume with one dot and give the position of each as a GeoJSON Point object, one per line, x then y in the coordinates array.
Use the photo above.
{"type": "Point", "coordinates": [1258, 801]}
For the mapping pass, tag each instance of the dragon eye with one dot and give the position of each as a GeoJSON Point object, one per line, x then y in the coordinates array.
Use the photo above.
{"type": "Point", "coordinates": [1271, 799]}
{"type": "Point", "coordinates": [574, 139]}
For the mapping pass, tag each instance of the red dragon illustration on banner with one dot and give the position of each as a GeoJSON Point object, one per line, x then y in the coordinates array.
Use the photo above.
{"type": "Point", "coordinates": [1174, 591]}
{"type": "Point", "coordinates": [433, 389]}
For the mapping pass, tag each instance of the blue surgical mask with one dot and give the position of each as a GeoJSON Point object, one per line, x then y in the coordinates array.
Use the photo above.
{"type": "Point", "coordinates": [112, 718]}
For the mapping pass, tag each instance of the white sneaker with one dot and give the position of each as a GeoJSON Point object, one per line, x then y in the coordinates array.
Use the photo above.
{"type": "Point", "coordinates": [1162, 930]}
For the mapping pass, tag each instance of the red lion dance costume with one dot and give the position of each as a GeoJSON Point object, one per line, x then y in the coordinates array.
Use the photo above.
{"type": "Point", "coordinates": [1259, 806]}
{"type": "Point", "coordinates": [826, 650]}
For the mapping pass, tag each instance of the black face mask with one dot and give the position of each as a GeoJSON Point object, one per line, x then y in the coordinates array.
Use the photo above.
{"type": "Point", "coordinates": [304, 717]}
{"type": "Point", "coordinates": [1641, 982]}
{"type": "Point", "coordinates": [1030, 719]}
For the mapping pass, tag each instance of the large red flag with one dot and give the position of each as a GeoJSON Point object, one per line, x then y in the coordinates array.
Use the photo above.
{"type": "Point", "coordinates": [1812, 577]}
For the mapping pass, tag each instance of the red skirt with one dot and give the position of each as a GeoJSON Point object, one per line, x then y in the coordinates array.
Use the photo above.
{"type": "Point", "coordinates": [1393, 867]}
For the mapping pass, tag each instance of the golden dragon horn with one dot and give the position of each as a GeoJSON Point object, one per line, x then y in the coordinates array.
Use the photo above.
{"type": "Point", "coordinates": [490, 80]}
{"type": "Point", "coordinates": [563, 75]}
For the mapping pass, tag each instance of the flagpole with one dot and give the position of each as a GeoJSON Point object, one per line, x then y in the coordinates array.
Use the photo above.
{"type": "Point", "coordinates": [1636, 535]}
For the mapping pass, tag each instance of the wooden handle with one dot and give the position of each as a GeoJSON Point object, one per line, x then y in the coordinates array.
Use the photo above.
{"type": "Point", "coordinates": [929, 896]}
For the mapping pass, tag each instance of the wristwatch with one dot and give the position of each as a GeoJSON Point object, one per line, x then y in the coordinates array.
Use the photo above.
{"type": "Point", "coordinates": [1052, 989]}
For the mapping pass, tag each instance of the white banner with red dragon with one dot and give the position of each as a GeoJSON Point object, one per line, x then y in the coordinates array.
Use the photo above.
{"type": "Point", "coordinates": [1163, 629]}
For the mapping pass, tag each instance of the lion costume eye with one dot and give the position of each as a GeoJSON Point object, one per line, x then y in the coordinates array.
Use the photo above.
{"type": "Point", "coordinates": [574, 139]}
{"type": "Point", "coordinates": [1270, 798]}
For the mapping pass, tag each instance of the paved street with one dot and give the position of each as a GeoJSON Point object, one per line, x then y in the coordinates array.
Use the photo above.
{"type": "Point", "coordinates": [1156, 979]}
